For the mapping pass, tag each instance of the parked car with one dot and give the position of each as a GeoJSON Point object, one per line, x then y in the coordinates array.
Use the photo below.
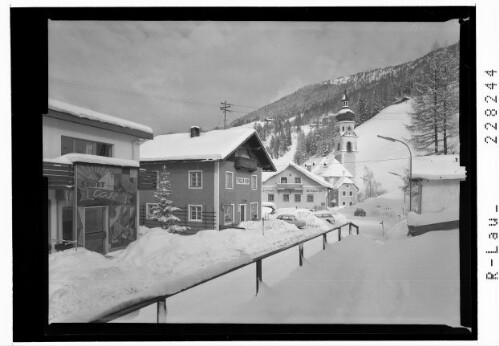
{"type": "Point", "coordinates": [292, 219]}
{"type": "Point", "coordinates": [359, 212]}
{"type": "Point", "coordinates": [326, 215]}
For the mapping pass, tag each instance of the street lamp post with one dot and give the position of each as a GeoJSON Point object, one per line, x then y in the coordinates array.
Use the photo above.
{"type": "Point", "coordinates": [398, 175]}
{"type": "Point", "coordinates": [410, 166]}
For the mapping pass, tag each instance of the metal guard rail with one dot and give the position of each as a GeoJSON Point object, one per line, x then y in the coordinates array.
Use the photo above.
{"type": "Point", "coordinates": [139, 303]}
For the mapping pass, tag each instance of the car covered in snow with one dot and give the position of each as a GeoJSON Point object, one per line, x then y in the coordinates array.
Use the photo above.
{"type": "Point", "coordinates": [325, 215]}
{"type": "Point", "coordinates": [292, 219]}
{"type": "Point", "coordinates": [359, 212]}
{"type": "Point", "coordinates": [268, 208]}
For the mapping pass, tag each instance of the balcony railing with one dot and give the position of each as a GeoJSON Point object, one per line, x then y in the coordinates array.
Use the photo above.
{"type": "Point", "coordinates": [60, 176]}
{"type": "Point", "coordinates": [290, 186]}
{"type": "Point", "coordinates": [245, 163]}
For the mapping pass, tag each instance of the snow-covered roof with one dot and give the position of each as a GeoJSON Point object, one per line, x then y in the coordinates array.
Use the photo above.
{"type": "Point", "coordinates": [330, 167]}
{"type": "Point", "coordinates": [96, 116]}
{"type": "Point", "coordinates": [437, 167]}
{"type": "Point", "coordinates": [302, 170]}
{"type": "Point", "coordinates": [72, 158]}
{"type": "Point", "coordinates": [344, 110]}
{"type": "Point", "coordinates": [212, 145]}
{"type": "Point", "coordinates": [343, 180]}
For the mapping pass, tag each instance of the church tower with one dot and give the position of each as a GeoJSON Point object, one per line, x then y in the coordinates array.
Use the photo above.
{"type": "Point", "coordinates": [346, 144]}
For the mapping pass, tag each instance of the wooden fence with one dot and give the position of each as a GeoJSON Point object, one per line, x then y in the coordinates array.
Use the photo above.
{"type": "Point", "coordinates": [207, 220]}
{"type": "Point", "coordinates": [161, 310]}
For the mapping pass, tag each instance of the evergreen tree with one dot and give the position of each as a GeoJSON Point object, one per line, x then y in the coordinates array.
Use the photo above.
{"type": "Point", "coordinates": [301, 150]}
{"type": "Point", "coordinates": [163, 210]}
{"type": "Point", "coordinates": [434, 119]}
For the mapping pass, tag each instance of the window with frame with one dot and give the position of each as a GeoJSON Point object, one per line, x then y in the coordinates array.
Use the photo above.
{"type": "Point", "coordinates": [254, 182]}
{"type": "Point", "coordinates": [195, 179]}
{"type": "Point", "coordinates": [254, 211]}
{"type": "Point", "coordinates": [344, 193]}
{"type": "Point", "coordinates": [195, 212]}
{"type": "Point", "coordinates": [351, 193]}
{"type": "Point", "coordinates": [297, 180]}
{"type": "Point", "coordinates": [285, 197]}
{"type": "Point", "coordinates": [150, 210]}
{"type": "Point", "coordinates": [270, 197]}
{"type": "Point", "coordinates": [310, 198]}
{"type": "Point", "coordinates": [82, 146]}
{"type": "Point", "coordinates": [297, 198]}
{"type": "Point", "coordinates": [351, 203]}
{"type": "Point", "coordinates": [229, 180]}
{"type": "Point", "coordinates": [284, 180]}
{"type": "Point", "coordinates": [343, 203]}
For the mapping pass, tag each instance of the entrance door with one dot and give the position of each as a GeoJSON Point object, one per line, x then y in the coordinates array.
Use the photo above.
{"type": "Point", "coordinates": [242, 209]}
{"type": "Point", "coordinates": [95, 228]}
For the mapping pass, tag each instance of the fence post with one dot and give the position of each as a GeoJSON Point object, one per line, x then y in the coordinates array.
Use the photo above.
{"type": "Point", "coordinates": [324, 241]}
{"type": "Point", "coordinates": [258, 274]}
{"type": "Point", "coordinates": [357, 230]}
{"type": "Point", "coordinates": [339, 233]}
{"type": "Point", "coordinates": [161, 311]}
{"type": "Point", "coordinates": [349, 228]}
{"type": "Point", "coordinates": [300, 253]}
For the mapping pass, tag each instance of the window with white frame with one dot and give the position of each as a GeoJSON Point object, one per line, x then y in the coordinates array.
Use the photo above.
{"type": "Point", "coordinates": [254, 182]}
{"type": "Point", "coordinates": [285, 197]}
{"type": "Point", "coordinates": [297, 198]}
{"type": "Point", "coordinates": [344, 193]}
{"type": "Point", "coordinates": [195, 212]}
{"type": "Point", "coordinates": [297, 180]}
{"type": "Point", "coordinates": [229, 180]}
{"type": "Point", "coordinates": [351, 193]}
{"type": "Point", "coordinates": [284, 180]}
{"type": "Point", "coordinates": [195, 179]}
{"type": "Point", "coordinates": [271, 197]}
{"type": "Point", "coordinates": [149, 210]}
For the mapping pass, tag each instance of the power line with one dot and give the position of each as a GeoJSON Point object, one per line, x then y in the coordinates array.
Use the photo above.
{"type": "Point", "coordinates": [133, 93]}
{"type": "Point", "coordinates": [225, 108]}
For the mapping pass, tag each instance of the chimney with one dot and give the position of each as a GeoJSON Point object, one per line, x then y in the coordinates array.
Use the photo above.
{"type": "Point", "coordinates": [309, 168]}
{"type": "Point", "coordinates": [195, 131]}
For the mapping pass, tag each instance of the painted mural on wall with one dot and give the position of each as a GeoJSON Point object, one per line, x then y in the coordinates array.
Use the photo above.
{"type": "Point", "coordinates": [114, 188]}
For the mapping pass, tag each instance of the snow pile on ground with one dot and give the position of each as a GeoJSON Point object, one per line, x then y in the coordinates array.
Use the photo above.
{"type": "Point", "coordinates": [307, 216]}
{"type": "Point", "coordinates": [86, 283]}
{"type": "Point", "coordinates": [447, 215]}
{"type": "Point", "coordinates": [360, 281]}
{"type": "Point", "coordinates": [272, 223]}
{"type": "Point", "coordinates": [399, 231]}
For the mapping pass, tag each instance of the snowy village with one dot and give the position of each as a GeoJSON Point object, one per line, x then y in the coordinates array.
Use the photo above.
{"type": "Point", "coordinates": [336, 201]}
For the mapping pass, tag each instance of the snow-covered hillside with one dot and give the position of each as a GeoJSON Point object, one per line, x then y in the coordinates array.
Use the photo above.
{"type": "Point", "coordinates": [382, 156]}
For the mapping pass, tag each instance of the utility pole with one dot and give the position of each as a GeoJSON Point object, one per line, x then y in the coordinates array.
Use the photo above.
{"type": "Point", "coordinates": [225, 108]}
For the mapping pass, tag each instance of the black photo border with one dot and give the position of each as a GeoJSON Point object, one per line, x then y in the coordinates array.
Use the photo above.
{"type": "Point", "coordinates": [29, 83]}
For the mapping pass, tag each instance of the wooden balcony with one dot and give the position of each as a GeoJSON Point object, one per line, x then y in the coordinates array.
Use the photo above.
{"type": "Point", "coordinates": [60, 176]}
{"type": "Point", "coordinates": [290, 186]}
{"type": "Point", "coordinates": [245, 163]}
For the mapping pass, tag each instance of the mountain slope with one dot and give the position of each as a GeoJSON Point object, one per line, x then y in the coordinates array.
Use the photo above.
{"type": "Point", "coordinates": [369, 92]}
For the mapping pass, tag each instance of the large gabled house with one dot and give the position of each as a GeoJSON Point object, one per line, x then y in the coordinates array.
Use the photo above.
{"type": "Point", "coordinates": [215, 176]}
{"type": "Point", "coordinates": [294, 186]}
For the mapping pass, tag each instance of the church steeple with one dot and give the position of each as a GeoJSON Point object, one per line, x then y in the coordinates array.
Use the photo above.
{"type": "Point", "coordinates": [345, 99]}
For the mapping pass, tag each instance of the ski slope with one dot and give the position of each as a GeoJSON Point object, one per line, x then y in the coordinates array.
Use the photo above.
{"type": "Point", "coordinates": [382, 156]}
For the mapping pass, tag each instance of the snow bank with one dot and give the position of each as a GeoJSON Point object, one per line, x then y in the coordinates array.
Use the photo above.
{"type": "Point", "coordinates": [448, 215]}
{"type": "Point", "coordinates": [92, 115]}
{"type": "Point", "coordinates": [83, 284]}
{"type": "Point", "coordinates": [399, 231]}
{"type": "Point", "coordinates": [360, 281]}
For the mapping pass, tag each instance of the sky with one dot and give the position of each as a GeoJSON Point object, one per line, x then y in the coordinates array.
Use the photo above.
{"type": "Point", "coordinates": [173, 75]}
